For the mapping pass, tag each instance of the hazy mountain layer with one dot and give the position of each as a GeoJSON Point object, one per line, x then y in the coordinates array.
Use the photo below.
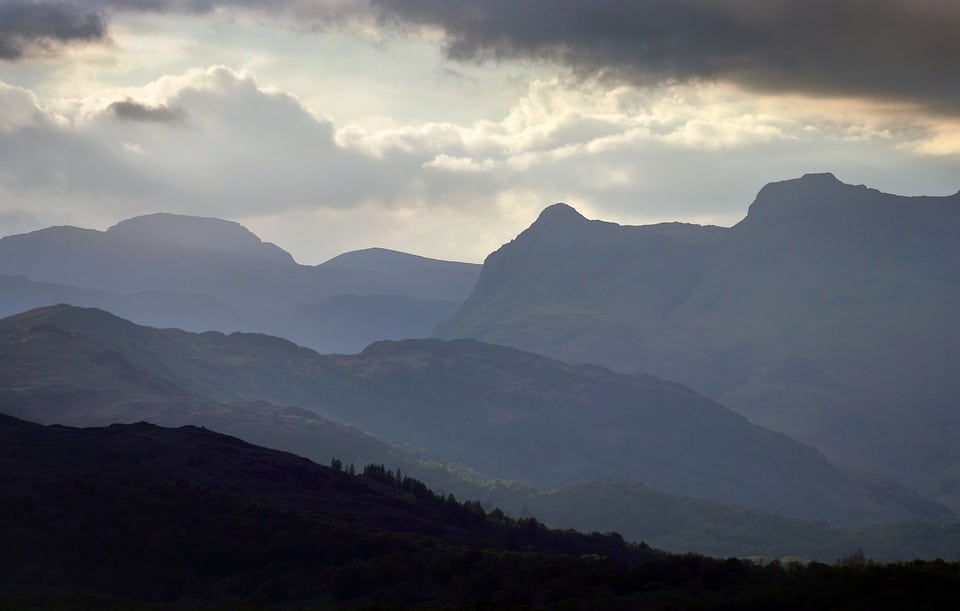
{"type": "Point", "coordinates": [222, 259]}
{"type": "Point", "coordinates": [203, 274]}
{"type": "Point", "coordinates": [831, 313]}
{"type": "Point", "coordinates": [501, 412]}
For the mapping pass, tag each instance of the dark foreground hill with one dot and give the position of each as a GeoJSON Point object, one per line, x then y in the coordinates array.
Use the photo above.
{"type": "Point", "coordinates": [498, 411]}
{"type": "Point", "coordinates": [133, 515]}
{"type": "Point", "coordinates": [200, 274]}
{"type": "Point", "coordinates": [830, 313]}
{"type": "Point", "coordinates": [156, 514]}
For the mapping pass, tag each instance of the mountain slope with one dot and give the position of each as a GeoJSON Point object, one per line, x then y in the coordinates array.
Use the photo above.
{"type": "Point", "coordinates": [496, 410]}
{"type": "Point", "coordinates": [831, 313]}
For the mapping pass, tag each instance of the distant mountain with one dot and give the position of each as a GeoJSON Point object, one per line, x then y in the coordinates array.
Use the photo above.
{"type": "Point", "coordinates": [208, 274]}
{"type": "Point", "coordinates": [831, 313]}
{"type": "Point", "coordinates": [498, 411]}
{"type": "Point", "coordinates": [681, 524]}
{"type": "Point", "coordinates": [188, 311]}
{"type": "Point", "coordinates": [412, 275]}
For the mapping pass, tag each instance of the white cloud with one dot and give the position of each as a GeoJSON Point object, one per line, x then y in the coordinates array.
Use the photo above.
{"type": "Point", "coordinates": [459, 164]}
{"type": "Point", "coordinates": [446, 188]}
{"type": "Point", "coordinates": [20, 108]}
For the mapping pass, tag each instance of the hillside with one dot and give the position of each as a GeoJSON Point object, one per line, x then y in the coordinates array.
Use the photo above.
{"type": "Point", "coordinates": [178, 515]}
{"type": "Point", "coordinates": [142, 517]}
{"type": "Point", "coordinates": [498, 411]}
{"type": "Point", "coordinates": [830, 313]}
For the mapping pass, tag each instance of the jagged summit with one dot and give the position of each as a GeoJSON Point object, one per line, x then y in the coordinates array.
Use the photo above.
{"type": "Point", "coordinates": [560, 213]}
{"type": "Point", "coordinates": [822, 196]}
{"type": "Point", "coordinates": [810, 194]}
{"type": "Point", "coordinates": [824, 178]}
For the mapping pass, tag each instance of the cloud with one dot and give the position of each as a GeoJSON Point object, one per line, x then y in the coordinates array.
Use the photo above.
{"type": "Point", "coordinates": [28, 27]}
{"type": "Point", "coordinates": [248, 151]}
{"type": "Point", "coordinates": [894, 49]}
{"type": "Point", "coordinates": [882, 49]}
{"type": "Point", "coordinates": [18, 108]}
{"type": "Point", "coordinates": [447, 189]}
{"type": "Point", "coordinates": [31, 27]}
{"type": "Point", "coordinates": [129, 110]}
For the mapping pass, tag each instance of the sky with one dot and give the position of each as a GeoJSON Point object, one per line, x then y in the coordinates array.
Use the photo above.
{"type": "Point", "coordinates": [443, 127]}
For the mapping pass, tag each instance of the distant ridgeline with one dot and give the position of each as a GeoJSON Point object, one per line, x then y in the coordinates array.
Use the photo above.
{"type": "Point", "coordinates": [492, 411]}
{"type": "Point", "coordinates": [204, 274]}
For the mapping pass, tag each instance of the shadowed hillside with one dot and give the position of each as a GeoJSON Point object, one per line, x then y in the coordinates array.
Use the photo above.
{"type": "Point", "coordinates": [138, 516]}
{"type": "Point", "coordinates": [499, 411]}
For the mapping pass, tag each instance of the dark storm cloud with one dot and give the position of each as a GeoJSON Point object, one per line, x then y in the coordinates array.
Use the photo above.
{"type": "Point", "coordinates": [129, 110]}
{"type": "Point", "coordinates": [890, 49]}
{"type": "Point", "coordinates": [894, 49]}
{"type": "Point", "coordinates": [29, 26]}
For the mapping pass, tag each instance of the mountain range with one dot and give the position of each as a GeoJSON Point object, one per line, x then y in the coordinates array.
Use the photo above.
{"type": "Point", "coordinates": [830, 313]}
{"type": "Point", "coordinates": [208, 274]}
{"type": "Point", "coordinates": [498, 411]}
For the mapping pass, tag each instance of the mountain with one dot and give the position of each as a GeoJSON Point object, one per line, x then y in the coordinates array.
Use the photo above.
{"type": "Point", "coordinates": [411, 275]}
{"type": "Point", "coordinates": [208, 274]}
{"type": "Point", "coordinates": [498, 411]}
{"type": "Point", "coordinates": [830, 313]}
{"type": "Point", "coordinates": [189, 311]}
{"type": "Point", "coordinates": [175, 253]}
{"type": "Point", "coordinates": [143, 517]}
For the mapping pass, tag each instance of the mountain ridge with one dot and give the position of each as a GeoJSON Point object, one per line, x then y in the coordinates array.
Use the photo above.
{"type": "Point", "coordinates": [200, 273]}
{"type": "Point", "coordinates": [821, 314]}
{"type": "Point", "coordinates": [497, 410]}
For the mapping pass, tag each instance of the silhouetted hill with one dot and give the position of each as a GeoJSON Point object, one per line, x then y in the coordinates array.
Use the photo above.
{"type": "Point", "coordinates": [149, 513]}
{"type": "Point", "coordinates": [831, 313]}
{"type": "Point", "coordinates": [195, 273]}
{"type": "Point", "coordinates": [422, 277]}
{"type": "Point", "coordinates": [138, 516]}
{"type": "Point", "coordinates": [499, 411]}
